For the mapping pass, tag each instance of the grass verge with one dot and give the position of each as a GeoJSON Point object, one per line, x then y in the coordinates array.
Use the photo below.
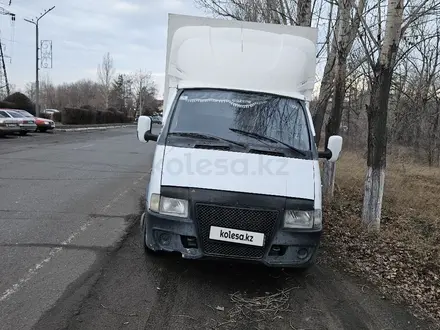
{"type": "Point", "coordinates": [403, 259]}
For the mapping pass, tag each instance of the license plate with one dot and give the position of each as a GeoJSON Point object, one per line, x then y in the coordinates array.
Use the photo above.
{"type": "Point", "coordinates": [236, 236]}
{"type": "Point", "coordinates": [11, 125]}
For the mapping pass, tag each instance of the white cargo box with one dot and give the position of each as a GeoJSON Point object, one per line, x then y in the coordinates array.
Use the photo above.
{"type": "Point", "coordinates": [218, 53]}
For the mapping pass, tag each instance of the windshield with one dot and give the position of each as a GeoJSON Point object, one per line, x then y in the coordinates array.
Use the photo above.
{"type": "Point", "coordinates": [15, 114]}
{"type": "Point", "coordinates": [25, 113]}
{"type": "Point", "coordinates": [222, 113]}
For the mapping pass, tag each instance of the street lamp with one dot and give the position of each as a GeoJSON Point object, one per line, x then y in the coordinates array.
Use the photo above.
{"type": "Point", "coordinates": [37, 68]}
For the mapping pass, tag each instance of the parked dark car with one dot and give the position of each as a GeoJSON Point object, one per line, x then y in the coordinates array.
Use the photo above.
{"type": "Point", "coordinates": [156, 119]}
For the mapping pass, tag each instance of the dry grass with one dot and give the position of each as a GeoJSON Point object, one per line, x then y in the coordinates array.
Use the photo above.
{"type": "Point", "coordinates": [404, 258]}
{"type": "Point", "coordinates": [411, 209]}
{"type": "Point", "coordinates": [260, 309]}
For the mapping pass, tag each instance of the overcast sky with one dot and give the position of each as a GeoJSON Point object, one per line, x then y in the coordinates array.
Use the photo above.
{"type": "Point", "coordinates": [82, 31]}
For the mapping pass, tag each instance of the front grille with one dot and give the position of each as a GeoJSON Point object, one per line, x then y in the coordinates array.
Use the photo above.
{"type": "Point", "coordinates": [256, 220]}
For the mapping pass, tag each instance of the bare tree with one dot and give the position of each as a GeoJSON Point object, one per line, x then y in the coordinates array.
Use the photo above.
{"type": "Point", "coordinates": [380, 81]}
{"type": "Point", "coordinates": [47, 92]}
{"type": "Point", "coordinates": [144, 91]}
{"type": "Point", "coordinates": [345, 36]}
{"type": "Point", "coordinates": [106, 72]}
{"type": "Point", "coordinates": [29, 90]}
{"type": "Point", "coordinates": [413, 109]}
{"type": "Point", "coordinates": [287, 12]}
{"type": "Point", "coordinates": [326, 85]}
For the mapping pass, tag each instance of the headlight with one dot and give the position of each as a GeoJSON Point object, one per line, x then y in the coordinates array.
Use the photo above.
{"type": "Point", "coordinates": [154, 202]}
{"type": "Point", "coordinates": [169, 206]}
{"type": "Point", "coordinates": [303, 219]}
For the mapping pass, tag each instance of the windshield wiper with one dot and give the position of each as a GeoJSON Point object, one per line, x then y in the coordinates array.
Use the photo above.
{"type": "Point", "coordinates": [264, 137]}
{"type": "Point", "coordinates": [207, 137]}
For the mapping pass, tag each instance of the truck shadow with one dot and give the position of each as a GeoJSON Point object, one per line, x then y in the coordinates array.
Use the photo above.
{"type": "Point", "coordinates": [231, 275]}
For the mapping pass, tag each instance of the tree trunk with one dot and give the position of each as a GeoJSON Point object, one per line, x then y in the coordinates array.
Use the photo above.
{"type": "Point", "coordinates": [326, 88]}
{"type": "Point", "coordinates": [434, 138]}
{"type": "Point", "coordinates": [334, 123]}
{"type": "Point", "coordinates": [325, 92]}
{"type": "Point", "coordinates": [328, 180]}
{"type": "Point", "coordinates": [304, 13]}
{"type": "Point", "coordinates": [377, 112]}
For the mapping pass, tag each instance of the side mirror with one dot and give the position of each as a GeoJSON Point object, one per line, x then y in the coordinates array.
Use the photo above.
{"type": "Point", "coordinates": [333, 150]}
{"type": "Point", "coordinates": [144, 126]}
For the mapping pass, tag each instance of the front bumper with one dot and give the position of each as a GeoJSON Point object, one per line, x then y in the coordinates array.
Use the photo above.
{"type": "Point", "coordinates": [285, 249]}
{"type": "Point", "coordinates": [9, 129]}
{"type": "Point", "coordinates": [45, 126]}
{"type": "Point", "coordinates": [28, 127]}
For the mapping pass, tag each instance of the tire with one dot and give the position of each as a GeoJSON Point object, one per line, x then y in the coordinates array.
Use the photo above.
{"type": "Point", "coordinates": [23, 133]}
{"type": "Point", "coordinates": [43, 130]}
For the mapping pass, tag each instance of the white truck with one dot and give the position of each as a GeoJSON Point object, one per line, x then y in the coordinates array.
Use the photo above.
{"type": "Point", "coordinates": [235, 172]}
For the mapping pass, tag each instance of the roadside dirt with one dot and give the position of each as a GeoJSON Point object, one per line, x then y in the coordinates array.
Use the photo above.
{"type": "Point", "coordinates": [134, 291]}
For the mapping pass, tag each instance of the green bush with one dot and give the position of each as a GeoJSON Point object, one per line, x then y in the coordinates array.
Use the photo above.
{"type": "Point", "coordinates": [45, 115]}
{"type": "Point", "coordinates": [7, 105]}
{"type": "Point", "coordinates": [75, 116]}
{"type": "Point", "coordinates": [19, 101]}
{"type": "Point", "coordinates": [57, 117]}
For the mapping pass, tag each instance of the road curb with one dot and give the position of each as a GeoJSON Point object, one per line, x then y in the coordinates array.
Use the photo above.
{"type": "Point", "coordinates": [80, 129]}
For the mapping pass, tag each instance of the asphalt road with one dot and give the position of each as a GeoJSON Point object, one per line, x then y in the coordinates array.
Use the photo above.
{"type": "Point", "coordinates": [66, 199]}
{"type": "Point", "coordinates": [72, 257]}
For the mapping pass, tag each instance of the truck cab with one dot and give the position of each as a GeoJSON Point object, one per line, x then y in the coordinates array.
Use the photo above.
{"type": "Point", "coordinates": [235, 172]}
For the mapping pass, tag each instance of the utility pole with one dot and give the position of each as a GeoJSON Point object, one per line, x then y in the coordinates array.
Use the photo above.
{"type": "Point", "coordinates": [140, 97]}
{"type": "Point", "coordinates": [37, 67]}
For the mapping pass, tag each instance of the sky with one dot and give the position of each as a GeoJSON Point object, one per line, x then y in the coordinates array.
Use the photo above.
{"type": "Point", "coordinates": [82, 31]}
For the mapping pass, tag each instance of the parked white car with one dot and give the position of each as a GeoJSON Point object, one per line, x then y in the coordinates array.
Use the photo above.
{"type": "Point", "coordinates": [26, 124]}
{"type": "Point", "coordinates": [8, 125]}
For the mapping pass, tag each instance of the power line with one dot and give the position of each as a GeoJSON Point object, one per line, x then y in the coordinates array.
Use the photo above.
{"type": "Point", "coordinates": [3, 75]}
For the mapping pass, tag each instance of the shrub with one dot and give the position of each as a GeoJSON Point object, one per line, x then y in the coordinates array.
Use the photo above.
{"type": "Point", "coordinates": [7, 105]}
{"type": "Point", "coordinates": [57, 117]}
{"type": "Point", "coordinates": [87, 107]}
{"type": "Point", "coordinates": [19, 101]}
{"type": "Point", "coordinates": [75, 116]}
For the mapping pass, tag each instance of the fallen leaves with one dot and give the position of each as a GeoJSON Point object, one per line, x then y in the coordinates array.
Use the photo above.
{"type": "Point", "coordinates": [402, 265]}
